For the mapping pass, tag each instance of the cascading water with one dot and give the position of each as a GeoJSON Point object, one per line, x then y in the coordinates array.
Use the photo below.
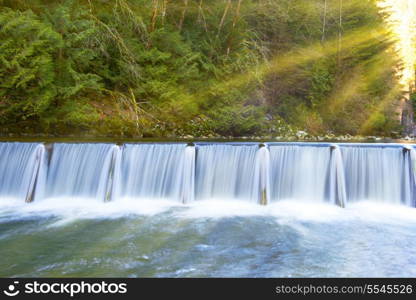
{"type": "Point", "coordinates": [337, 192]}
{"type": "Point", "coordinates": [263, 166]}
{"type": "Point", "coordinates": [19, 165]}
{"type": "Point", "coordinates": [188, 183]}
{"type": "Point", "coordinates": [156, 171]}
{"type": "Point", "coordinates": [112, 188]}
{"type": "Point", "coordinates": [335, 173]}
{"type": "Point", "coordinates": [377, 173]}
{"type": "Point", "coordinates": [299, 172]}
{"type": "Point", "coordinates": [79, 170]}
{"type": "Point", "coordinates": [64, 232]}
{"type": "Point", "coordinates": [412, 160]}
{"type": "Point", "coordinates": [227, 171]}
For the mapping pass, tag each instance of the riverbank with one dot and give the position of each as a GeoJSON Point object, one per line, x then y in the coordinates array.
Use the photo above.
{"type": "Point", "coordinates": [189, 138]}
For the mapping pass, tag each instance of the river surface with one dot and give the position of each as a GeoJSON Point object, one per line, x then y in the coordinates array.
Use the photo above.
{"type": "Point", "coordinates": [206, 239]}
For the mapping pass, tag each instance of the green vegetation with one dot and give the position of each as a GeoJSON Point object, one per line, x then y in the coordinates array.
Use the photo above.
{"type": "Point", "coordinates": [164, 68]}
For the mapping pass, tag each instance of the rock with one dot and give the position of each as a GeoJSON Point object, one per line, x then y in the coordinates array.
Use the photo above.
{"type": "Point", "coordinates": [301, 134]}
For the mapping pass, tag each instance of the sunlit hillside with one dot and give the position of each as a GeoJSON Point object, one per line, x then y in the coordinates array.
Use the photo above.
{"type": "Point", "coordinates": [220, 68]}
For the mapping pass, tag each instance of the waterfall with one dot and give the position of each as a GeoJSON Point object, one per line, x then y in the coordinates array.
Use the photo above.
{"type": "Point", "coordinates": [227, 172]}
{"type": "Point", "coordinates": [112, 191]}
{"type": "Point", "coordinates": [337, 192]}
{"type": "Point", "coordinates": [412, 162]}
{"type": "Point", "coordinates": [38, 177]}
{"type": "Point", "coordinates": [156, 171]}
{"type": "Point", "coordinates": [412, 159]}
{"type": "Point", "coordinates": [19, 165]}
{"type": "Point", "coordinates": [299, 172]}
{"type": "Point", "coordinates": [377, 173]}
{"type": "Point", "coordinates": [79, 170]}
{"type": "Point", "coordinates": [181, 173]}
{"type": "Point", "coordinates": [263, 166]}
{"type": "Point", "coordinates": [188, 188]}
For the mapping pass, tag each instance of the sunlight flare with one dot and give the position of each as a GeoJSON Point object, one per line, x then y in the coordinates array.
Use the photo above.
{"type": "Point", "coordinates": [402, 21]}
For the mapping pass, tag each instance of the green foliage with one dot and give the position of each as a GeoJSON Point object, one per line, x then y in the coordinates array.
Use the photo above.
{"type": "Point", "coordinates": [45, 67]}
{"type": "Point", "coordinates": [74, 60]}
{"type": "Point", "coordinates": [203, 68]}
{"type": "Point", "coordinates": [238, 120]}
{"type": "Point", "coordinates": [27, 72]}
{"type": "Point", "coordinates": [321, 82]}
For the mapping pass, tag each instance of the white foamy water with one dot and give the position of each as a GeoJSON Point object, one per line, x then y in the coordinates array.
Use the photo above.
{"type": "Point", "coordinates": [339, 174]}
{"type": "Point", "coordinates": [128, 211]}
{"type": "Point", "coordinates": [227, 171]}
{"type": "Point", "coordinates": [299, 172]}
{"type": "Point", "coordinates": [159, 171]}
{"type": "Point", "coordinates": [19, 166]}
{"type": "Point", "coordinates": [78, 170]}
{"type": "Point", "coordinates": [207, 239]}
{"type": "Point", "coordinates": [284, 212]}
{"type": "Point", "coordinates": [381, 174]}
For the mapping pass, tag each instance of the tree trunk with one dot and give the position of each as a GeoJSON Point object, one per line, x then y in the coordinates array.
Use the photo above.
{"type": "Point", "coordinates": [199, 11]}
{"type": "Point", "coordinates": [324, 20]}
{"type": "Point", "coordinates": [224, 15]}
{"type": "Point", "coordinates": [164, 8]}
{"type": "Point", "coordinates": [183, 15]}
{"type": "Point", "coordinates": [237, 13]}
{"type": "Point", "coordinates": [201, 16]}
{"type": "Point", "coordinates": [154, 15]}
{"type": "Point", "coordinates": [340, 32]}
{"type": "Point", "coordinates": [235, 20]}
